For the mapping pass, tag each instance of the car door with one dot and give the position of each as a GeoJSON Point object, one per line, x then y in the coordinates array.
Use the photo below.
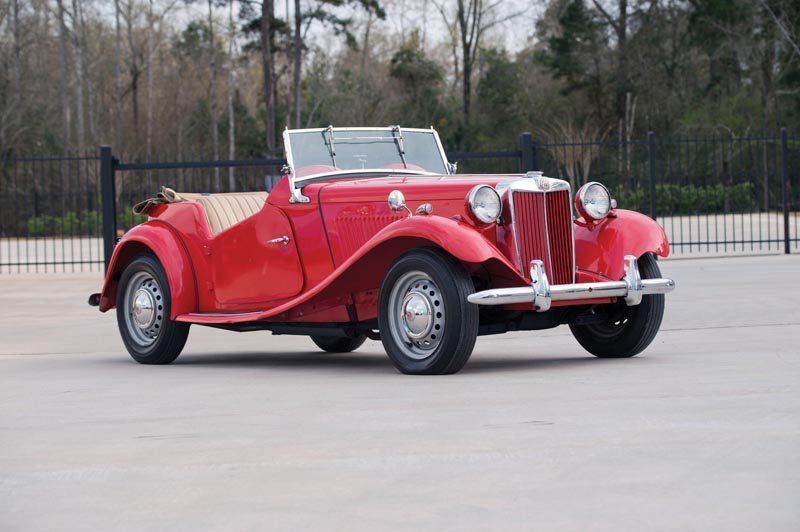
{"type": "Point", "coordinates": [256, 261]}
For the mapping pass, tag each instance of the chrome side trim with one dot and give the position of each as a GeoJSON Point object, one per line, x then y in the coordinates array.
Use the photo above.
{"type": "Point", "coordinates": [541, 294]}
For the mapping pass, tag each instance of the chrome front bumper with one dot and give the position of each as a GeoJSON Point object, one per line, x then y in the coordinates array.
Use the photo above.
{"type": "Point", "coordinates": [541, 294]}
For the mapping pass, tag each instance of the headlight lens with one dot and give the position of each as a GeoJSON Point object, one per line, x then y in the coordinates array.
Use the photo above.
{"type": "Point", "coordinates": [484, 202]}
{"type": "Point", "coordinates": [594, 200]}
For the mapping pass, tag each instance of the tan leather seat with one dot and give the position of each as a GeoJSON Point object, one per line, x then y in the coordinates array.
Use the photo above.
{"type": "Point", "coordinates": [226, 210]}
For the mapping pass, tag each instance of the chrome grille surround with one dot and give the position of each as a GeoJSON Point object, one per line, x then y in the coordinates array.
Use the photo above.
{"type": "Point", "coordinates": [536, 182]}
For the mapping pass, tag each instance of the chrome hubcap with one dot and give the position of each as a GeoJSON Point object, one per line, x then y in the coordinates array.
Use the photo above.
{"type": "Point", "coordinates": [143, 307]}
{"type": "Point", "coordinates": [144, 302]}
{"type": "Point", "coordinates": [417, 315]}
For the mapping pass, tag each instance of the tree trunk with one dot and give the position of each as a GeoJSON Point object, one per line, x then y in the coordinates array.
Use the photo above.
{"type": "Point", "coordinates": [65, 109]}
{"type": "Point", "coordinates": [149, 102]}
{"type": "Point", "coordinates": [623, 86]}
{"type": "Point", "coordinates": [231, 89]}
{"type": "Point", "coordinates": [466, 59]}
{"type": "Point", "coordinates": [116, 120]}
{"type": "Point", "coordinates": [212, 94]}
{"type": "Point", "coordinates": [16, 57]}
{"type": "Point", "coordinates": [298, 60]}
{"type": "Point", "coordinates": [267, 9]}
{"type": "Point", "coordinates": [79, 76]}
{"type": "Point", "coordinates": [133, 68]}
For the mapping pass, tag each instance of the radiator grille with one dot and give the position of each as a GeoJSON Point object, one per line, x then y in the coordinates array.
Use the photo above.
{"type": "Point", "coordinates": [544, 231]}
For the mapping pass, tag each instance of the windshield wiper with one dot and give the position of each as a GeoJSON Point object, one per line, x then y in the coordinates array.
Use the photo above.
{"type": "Point", "coordinates": [331, 147]}
{"type": "Point", "coordinates": [399, 140]}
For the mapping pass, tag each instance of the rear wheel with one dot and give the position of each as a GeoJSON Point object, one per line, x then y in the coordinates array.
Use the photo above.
{"type": "Point", "coordinates": [339, 345]}
{"type": "Point", "coordinates": [625, 331]}
{"type": "Point", "coordinates": [427, 325]}
{"type": "Point", "coordinates": [143, 309]}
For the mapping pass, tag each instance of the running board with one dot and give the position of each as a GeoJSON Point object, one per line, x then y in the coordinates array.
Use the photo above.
{"type": "Point", "coordinates": [220, 318]}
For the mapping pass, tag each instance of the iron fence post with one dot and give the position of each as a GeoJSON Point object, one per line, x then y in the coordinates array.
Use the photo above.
{"type": "Point", "coordinates": [651, 155]}
{"type": "Point", "coordinates": [527, 158]}
{"type": "Point", "coordinates": [785, 190]}
{"type": "Point", "coordinates": [108, 198]}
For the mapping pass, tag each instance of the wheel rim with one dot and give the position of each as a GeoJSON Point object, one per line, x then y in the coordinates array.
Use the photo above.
{"type": "Point", "coordinates": [144, 309]}
{"type": "Point", "coordinates": [416, 315]}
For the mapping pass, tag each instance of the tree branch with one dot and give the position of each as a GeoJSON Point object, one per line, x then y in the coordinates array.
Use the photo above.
{"type": "Point", "coordinates": [780, 27]}
{"type": "Point", "coordinates": [605, 14]}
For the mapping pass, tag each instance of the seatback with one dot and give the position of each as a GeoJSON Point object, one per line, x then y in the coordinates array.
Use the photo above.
{"type": "Point", "coordinates": [226, 210]}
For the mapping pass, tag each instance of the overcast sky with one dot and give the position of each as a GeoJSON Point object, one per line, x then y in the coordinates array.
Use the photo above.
{"type": "Point", "coordinates": [403, 16]}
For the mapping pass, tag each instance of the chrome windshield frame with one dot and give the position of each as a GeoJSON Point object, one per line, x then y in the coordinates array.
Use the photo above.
{"type": "Point", "coordinates": [296, 184]}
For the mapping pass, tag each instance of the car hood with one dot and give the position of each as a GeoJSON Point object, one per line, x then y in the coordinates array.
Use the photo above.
{"type": "Point", "coordinates": [414, 188]}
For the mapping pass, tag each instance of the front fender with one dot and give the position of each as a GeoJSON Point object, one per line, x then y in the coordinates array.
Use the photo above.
{"type": "Point", "coordinates": [457, 238]}
{"type": "Point", "coordinates": [161, 240]}
{"type": "Point", "coordinates": [367, 266]}
{"type": "Point", "coordinates": [602, 247]}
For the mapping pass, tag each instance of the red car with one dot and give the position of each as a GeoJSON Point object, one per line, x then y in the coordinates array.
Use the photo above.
{"type": "Point", "coordinates": [371, 234]}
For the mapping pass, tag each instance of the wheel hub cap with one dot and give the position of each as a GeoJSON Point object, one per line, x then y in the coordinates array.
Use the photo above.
{"type": "Point", "coordinates": [417, 315]}
{"type": "Point", "coordinates": [143, 306]}
{"type": "Point", "coordinates": [145, 314]}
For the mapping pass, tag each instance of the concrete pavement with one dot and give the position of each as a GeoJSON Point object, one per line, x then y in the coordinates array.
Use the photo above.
{"type": "Point", "coordinates": [258, 432]}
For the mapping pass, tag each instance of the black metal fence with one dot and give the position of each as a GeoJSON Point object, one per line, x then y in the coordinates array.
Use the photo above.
{"type": "Point", "coordinates": [726, 195]}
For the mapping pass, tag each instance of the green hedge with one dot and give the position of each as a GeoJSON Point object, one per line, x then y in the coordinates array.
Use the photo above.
{"type": "Point", "coordinates": [689, 199]}
{"type": "Point", "coordinates": [85, 223]}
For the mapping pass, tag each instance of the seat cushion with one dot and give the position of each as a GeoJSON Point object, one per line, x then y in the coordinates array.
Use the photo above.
{"type": "Point", "coordinates": [226, 210]}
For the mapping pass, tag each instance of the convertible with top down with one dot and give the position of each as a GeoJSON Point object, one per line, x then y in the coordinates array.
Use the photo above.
{"type": "Point", "coordinates": [370, 233]}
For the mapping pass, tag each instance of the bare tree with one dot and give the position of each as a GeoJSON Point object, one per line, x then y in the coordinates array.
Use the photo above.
{"type": "Point", "coordinates": [298, 61]}
{"type": "Point", "coordinates": [65, 107]}
{"type": "Point", "coordinates": [619, 24]}
{"type": "Point", "coordinates": [212, 92]}
{"type": "Point", "coordinates": [77, 44]}
{"type": "Point", "coordinates": [150, 69]}
{"type": "Point", "coordinates": [471, 20]}
{"type": "Point", "coordinates": [117, 118]}
{"type": "Point", "coordinates": [268, 66]}
{"type": "Point", "coordinates": [231, 88]}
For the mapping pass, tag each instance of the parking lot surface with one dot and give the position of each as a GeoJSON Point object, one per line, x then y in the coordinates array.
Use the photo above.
{"type": "Point", "coordinates": [257, 432]}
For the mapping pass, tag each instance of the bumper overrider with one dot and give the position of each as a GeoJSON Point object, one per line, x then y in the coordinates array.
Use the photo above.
{"type": "Point", "coordinates": [541, 293]}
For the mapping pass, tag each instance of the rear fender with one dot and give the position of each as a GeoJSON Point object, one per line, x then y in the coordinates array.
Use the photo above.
{"type": "Point", "coordinates": [160, 240]}
{"type": "Point", "coordinates": [602, 247]}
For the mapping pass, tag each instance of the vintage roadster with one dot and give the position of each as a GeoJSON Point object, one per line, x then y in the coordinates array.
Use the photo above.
{"type": "Point", "coordinates": [370, 233]}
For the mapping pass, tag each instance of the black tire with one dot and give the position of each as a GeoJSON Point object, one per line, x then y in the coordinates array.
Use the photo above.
{"type": "Point", "coordinates": [626, 331]}
{"type": "Point", "coordinates": [163, 341]}
{"type": "Point", "coordinates": [440, 285]}
{"type": "Point", "coordinates": [339, 345]}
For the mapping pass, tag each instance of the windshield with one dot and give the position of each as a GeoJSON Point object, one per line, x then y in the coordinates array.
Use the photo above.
{"type": "Point", "coordinates": [318, 151]}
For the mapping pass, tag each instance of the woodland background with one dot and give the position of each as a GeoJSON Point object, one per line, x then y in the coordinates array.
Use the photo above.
{"type": "Point", "coordinates": [176, 79]}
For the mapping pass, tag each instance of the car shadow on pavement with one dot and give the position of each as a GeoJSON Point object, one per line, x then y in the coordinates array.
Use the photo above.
{"type": "Point", "coordinates": [339, 362]}
{"type": "Point", "coordinates": [374, 363]}
{"type": "Point", "coordinates": [486, 364]}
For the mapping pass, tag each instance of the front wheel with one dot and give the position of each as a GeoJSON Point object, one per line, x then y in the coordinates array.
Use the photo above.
{"type": "Point", "coordinates": [427, 325]}
{"type": "Point", "coordinates": [143, 307]}
{"type": "Point", "coordinates": [625, 331]}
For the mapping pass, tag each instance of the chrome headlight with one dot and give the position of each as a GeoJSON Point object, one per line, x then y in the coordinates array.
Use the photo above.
{"type": "Point", "coordinates": [484, 202]}
{"type": "Point", "coordinates": [593, 200]}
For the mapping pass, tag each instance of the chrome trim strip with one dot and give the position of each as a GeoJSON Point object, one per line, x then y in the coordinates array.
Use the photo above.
{"type": "Point", "coordinates": [541, 294]}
